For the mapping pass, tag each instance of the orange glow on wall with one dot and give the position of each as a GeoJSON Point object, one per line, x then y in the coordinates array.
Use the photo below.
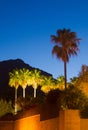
{"type": "Point", "coordinates": [28, 123]}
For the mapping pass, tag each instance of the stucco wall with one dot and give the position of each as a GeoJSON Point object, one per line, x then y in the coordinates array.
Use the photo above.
{"type": "Point", "coordinates": [28, 123]}
{"type": "Point", "coordinates": [84, 124]}
{"type": "Point", "coordinates": [51, 124]}
{"type": "Point", "coordinates": [69, 120]}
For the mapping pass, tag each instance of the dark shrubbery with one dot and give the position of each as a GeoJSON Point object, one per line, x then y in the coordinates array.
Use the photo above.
{"type": "Point", "coordinates": [72, 98]}
{"type": "Point", "coordinates": [29, 102]}
{"type": "Point", "coordinates": [84, 110]}
{"type": "Point", "coordinates": [53, 96]}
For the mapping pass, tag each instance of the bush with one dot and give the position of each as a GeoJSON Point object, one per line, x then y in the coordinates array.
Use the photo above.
{"type": "Point", "coordinates": [28, 102]}
{"type": "Point", "coordinates": [53, 96]}
{"type": "Point", "coordinates": [71, 98]}
{"type": "Point", "coordinates": [84, 111]}
{"type": "Point", "coordinates": [23, 103]}
{"type": "Point", "coordinates": [5, 107]}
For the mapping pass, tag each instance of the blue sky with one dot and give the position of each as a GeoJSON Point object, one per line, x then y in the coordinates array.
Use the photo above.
{"type": "Point", "coordinates": [26, 27]}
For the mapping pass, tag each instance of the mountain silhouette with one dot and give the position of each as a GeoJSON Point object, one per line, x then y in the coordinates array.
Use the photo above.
{"type": "Point", "coordinates": [7, 66]}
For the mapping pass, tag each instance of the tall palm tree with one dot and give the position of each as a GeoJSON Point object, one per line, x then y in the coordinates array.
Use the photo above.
{"type": "Point", "coordinates": [66, 45]}
{"type": "Point", "coordinates": [24, 79]}
{"type": "Point", "coordinates": [36, 79]}
{"type": "Point", "coordinates": [14, 81]}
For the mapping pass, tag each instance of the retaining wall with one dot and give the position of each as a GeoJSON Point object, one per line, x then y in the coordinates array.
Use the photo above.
{"type": "Point", "coordinates": [67, 120]}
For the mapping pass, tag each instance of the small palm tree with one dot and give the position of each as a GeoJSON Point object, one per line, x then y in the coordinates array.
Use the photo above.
{"type": "Point", "coordinates": [24, 79]}
{"type": "Point", "coordinates": [14, 81]}
{"type": "Point", "coordinates": [66, 45]}
{"type": "Point", "coordinates": [48, 84]}
{"type": "Point", "coordinates": [36, 79]}
{"type": "Point", "coordinates": [60, 82]}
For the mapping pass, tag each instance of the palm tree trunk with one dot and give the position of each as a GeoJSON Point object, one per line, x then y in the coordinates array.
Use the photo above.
{"type": "Point", "coordinates": [15, 100]}
{"type": "Point", "coordinates": [23, 92]}
{"type": "Point", "coordinates": [34, 92]}
{"type": "Point", "coordinates": [65, 74]}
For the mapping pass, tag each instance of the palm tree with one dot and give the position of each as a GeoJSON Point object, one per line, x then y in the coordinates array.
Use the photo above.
{"type": "Point", "coordinates": [66, 45]}
{"type": "Point", "coordinates": [60, 82]}
{"type": "Point", "coordinates": [48, 84]}
{"type": "Point", "coordinates": [24, 79]}
{"type": "Point", "coordinates": [36, 79]}
{"type": "Point", "coordinates": [14, 81]}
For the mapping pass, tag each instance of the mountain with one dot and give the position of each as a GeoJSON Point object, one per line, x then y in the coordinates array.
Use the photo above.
{"type": "Point", "coordinates": [6, 67]}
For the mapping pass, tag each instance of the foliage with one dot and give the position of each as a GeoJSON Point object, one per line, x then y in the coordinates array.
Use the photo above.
{"type": "Point", "coordinates": [84, 110]}
{"type": "Point", "coordinates": [53, 96]}
{"type": "Point", "coordinates": [28, 102]}
{"type": "Point", "coordinates": [37, 101]}
{"type": "Point", "coordinates": [74, 80]}
{"type": "Point", "coordinates": [60, 82]}
{"type": "Point", "coordinates": [71, 98]}
{"type": "Point", "coordinates": [83, 75]}
{"type": "Point", "coordinates": [14, 79]}
{"type": "Point", "coordinates": [36, 79]}
{"type": "Point", "coordinates": [24, 75]}
{"type": "Point", "coordinates": [82, 81]}
{"type": "Point", "coordinates": [20, 77]}
{"type": "Point", "coordinates": [23, 103]}
{"type": "Point", "coordinates": [66, 44]}
{"type": "Point", "coordinates": [48, 84]}
{"type": "Point", "coordinates": [5, 107]}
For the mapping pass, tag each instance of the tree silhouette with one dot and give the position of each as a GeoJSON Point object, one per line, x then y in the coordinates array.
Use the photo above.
{"type": "Point", "coordinates": [66, 45]}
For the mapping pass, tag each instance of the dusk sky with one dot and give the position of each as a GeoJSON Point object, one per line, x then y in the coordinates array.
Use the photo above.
{"type": "Point", "coordinates": [26, 27]}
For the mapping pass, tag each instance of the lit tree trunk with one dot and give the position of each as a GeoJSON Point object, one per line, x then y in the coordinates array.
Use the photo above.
{"type": "Point", "coordinates": [35, 87]}
{"type": "Point", "coordinates": [34, 92]}
{"type": "Point", "coordinates": [23, 92]}
{"type": "Point", "coordinates": [15, 100]}
{"type": "Point", "coordinates": [65, 74]}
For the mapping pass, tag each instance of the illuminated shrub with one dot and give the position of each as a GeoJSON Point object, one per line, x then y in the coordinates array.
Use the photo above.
{"type": "Point", "coordinates": [5, 107]}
